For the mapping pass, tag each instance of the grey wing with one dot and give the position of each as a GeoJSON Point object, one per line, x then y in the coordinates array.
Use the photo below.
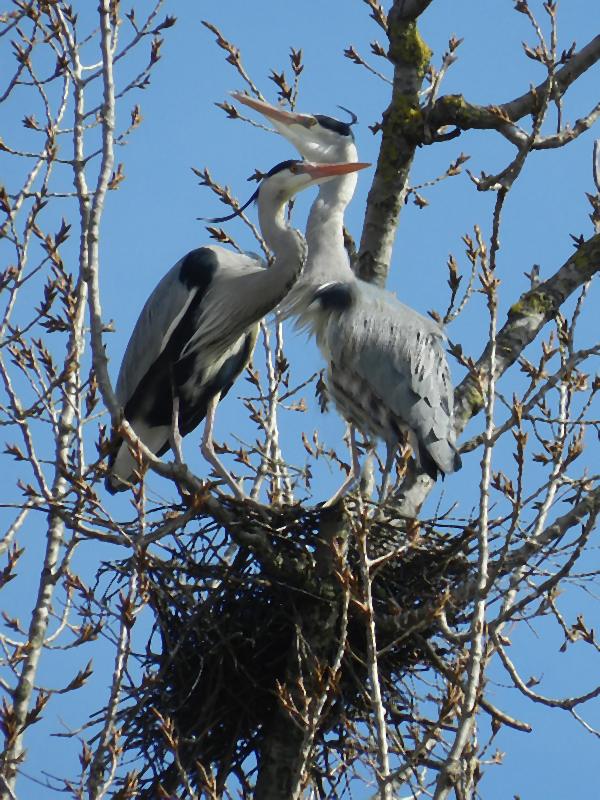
{"type": "Point", "coordinates": [237, 299]}
{"type": "Point", "coordinates": [400, 354]}
{"type": "Point", "coordinates": [163, 309]}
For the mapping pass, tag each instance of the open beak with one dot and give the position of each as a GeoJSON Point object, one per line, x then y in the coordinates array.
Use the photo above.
{"type": "Point", "coordinates": [331, 170]}
{"type": "Point", "coordinates": [274, 113]}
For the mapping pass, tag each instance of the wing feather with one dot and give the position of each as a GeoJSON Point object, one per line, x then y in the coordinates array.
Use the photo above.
{"type": "Point", "coordinates": [400, 355]}
{"type": "Point", "coordinates": [163, 310]}
{"type": "Point", "coordinates": [239, 297]}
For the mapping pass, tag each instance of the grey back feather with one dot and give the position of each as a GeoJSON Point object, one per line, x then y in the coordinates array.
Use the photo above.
{"type": "Point", "coordinates": [166, 306]}
{"type": "Point", "coordinates": [161, 312]}
{"type": "Point", "coordinates": [399, 355]}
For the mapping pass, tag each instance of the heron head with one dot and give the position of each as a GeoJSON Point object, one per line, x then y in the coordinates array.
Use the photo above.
{"type": "Point", "coordinates": [287, 178]}
{"type": "Point", "coordinates": [317, 137]}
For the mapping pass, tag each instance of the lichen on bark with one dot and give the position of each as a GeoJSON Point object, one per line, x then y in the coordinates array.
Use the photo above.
{"type": "Point", "coordinates": [407, 46]}
{"type": "Point", "coordinates": [402, 131]}
{"type": "Point", "coordinates": [533, 303]}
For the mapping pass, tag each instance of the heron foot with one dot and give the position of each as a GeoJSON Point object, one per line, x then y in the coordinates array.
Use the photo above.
{"type": "Point", "coordinates": [175, 435]}
{"type": "Point", "coordinates": [352, 476]}
{"type": "Point", "coordinates": [384, 488]}
{"type": "Point", "coordinates": [208, 451]}
{"type": "Point", "coordinates": [387, 471]}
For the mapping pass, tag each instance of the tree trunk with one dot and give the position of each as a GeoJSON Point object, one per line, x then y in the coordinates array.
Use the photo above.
{"type": "Point", "coordinates": [312, 665]}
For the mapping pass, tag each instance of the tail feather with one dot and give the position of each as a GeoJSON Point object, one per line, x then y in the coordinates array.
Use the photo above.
{"type": "Point", "coordinates": [426, 462]}
{"type": "Point", "coordinates": [123, 466]}
{"type": "Point", "coordinates": [445, 463]}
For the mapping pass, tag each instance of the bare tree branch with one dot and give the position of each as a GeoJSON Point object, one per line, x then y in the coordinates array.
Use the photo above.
{"type": "Point", "coordinates": [525, 320]}
{"type": "Point", "coordinates": [455, 110]}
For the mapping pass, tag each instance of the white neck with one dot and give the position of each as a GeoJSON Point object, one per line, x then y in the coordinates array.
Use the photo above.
{"type": "Point", "coordinates": [327, 257]}
{"type": "Point", "coordinates": [289, 251]}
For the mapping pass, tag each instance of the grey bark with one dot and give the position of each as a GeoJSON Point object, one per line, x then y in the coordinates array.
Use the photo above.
{"type": "Point", "coordinates": [402, 119]}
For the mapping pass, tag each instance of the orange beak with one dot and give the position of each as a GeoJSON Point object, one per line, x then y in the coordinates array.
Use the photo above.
{"type": "Point", "coordinates": [274, 113]}
{"type": "Point", "coordinates": [328, 170]}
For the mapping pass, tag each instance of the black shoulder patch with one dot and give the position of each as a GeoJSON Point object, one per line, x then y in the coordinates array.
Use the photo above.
{"type": "Point", "coordinates": [197, 268]}
{"type": "Point", "coordinates": [335, 125]}
{"type": "Point", "coordinates": [273, 171]}
{"type": "Point", "coordinates": [335, 296]}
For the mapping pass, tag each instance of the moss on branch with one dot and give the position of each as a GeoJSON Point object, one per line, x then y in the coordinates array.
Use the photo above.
{"type": "Point", "coordinates": [525, 320]}
{"type": "Point", "coordinates": [407, 46]}
{"type": "Point", "coordinates": [473, 400]}
{"type": "Point", "coordinates": [402, 131]}
{"type": "Point", "coordinates": [533, 303]}
{"type": "Point", "coordinates": [453, 109]}
{"type": "Point", "coordinates": [406, 117]}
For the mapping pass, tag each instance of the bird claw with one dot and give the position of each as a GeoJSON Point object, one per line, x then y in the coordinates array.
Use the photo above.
{"type": "Point", "coordinates": [352, 476]}
{"type": "Point", "coordinates": [222, 472]}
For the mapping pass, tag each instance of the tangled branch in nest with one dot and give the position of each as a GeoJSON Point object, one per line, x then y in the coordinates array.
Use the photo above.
{"type": "Point", "coordinates": [227, 632]}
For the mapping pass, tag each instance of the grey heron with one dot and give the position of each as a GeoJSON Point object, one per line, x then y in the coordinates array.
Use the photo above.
{"type": "Point", "coordinates": [197, 330]}
{"type": "Point", "coordinates": [386, 364]}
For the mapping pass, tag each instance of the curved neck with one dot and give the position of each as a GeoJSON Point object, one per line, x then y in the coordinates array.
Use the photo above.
{"type": "Point", "coordinates": [327, 257]}
{"type": "Point", "coordinates": [275, 229]}
{"type": "Point", "coordinates": [289, 251]}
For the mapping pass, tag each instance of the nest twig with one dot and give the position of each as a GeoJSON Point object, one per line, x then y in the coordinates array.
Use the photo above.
{"type": "Point", "coordinates": [209, 690]}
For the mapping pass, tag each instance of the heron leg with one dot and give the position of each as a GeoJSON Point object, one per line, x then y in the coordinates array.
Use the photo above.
{"type": "Point", "coordinates": [208, 450]}
{"type": "Point", "coordinates": [354, 473]}
{"type": "Point", "coordinates": [367, 474]}
{"type": "Point", "coordinates": [175, 436]}
{"type": "Point", "coordinates": [387, 470]}
{"type": "Point", "coordinates": [224, 562]}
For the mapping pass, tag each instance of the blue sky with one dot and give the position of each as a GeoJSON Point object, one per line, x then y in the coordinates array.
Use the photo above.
{"type": "Point", "coordinates": [151, 221]}
{"type": "Point", "coordinates": [155, 215]}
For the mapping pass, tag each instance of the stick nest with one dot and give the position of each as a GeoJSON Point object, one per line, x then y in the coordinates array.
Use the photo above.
{"type": "Point", "coordinates": [224, 635]}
